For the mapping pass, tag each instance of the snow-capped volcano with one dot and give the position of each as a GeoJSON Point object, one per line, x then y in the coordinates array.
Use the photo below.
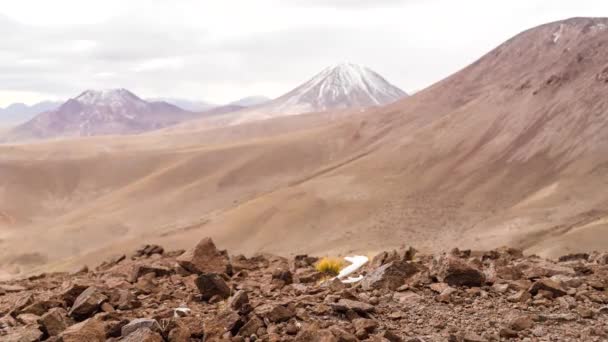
{"type": "Point", "coordinates": [98, 112]}
{"type": "Point", "coordinates": [342, 86]}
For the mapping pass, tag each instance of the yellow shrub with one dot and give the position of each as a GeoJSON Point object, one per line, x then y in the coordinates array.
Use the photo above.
{"type": "Point", "coordinates": [330, 266]}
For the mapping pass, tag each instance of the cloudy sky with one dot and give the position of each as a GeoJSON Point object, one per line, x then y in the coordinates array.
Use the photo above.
{"type": "Point", "coordinates": [221, 50]}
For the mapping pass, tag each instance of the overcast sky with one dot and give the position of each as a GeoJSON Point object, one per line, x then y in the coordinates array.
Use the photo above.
{"type": "Point", "coordinates": [221, 50]}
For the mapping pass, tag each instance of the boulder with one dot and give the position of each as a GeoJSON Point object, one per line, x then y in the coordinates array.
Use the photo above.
{"type": "Point", "coordinates": [347, 304]}
{"type": "Point", "coordinates": [139, 323]}
{"type": "Point", "coordinates": [141, 270]}
{"type": "Point", "coordinates": [547, 285]}
{"type": "Point", "coordinates": [149, 250]}
{"type": "Point", "coordinates": [283, 275]}
{"type": "Point", "coordinates": [28, 333]}
{"type": "Point", "coordinates": [205, 258]}
{"type": "Point", "coordinates": [520, 323]}
{"type": "Point", "coordinates": [211, 285]}
{"type": "Point", "coordinates": [87, 303]}
{"type": "Point", "coordinates": [274, 313]}
{"type": "Point", "coordinates": [251, 327]}
{"type": "Point", "coordinates": [457, 272]}
{"type": "Point", "coordinates": [390, 276]}
{"type": "Point", "coordinates": [54, 321]}
{"type": "Point", "coordinates": [143, 335]}
{"type": "Point", "coordinates": [91, 330]}
{"type": "Point", "coordinates": [71, 292]}
{"type": "Point", "coordinates": [239, 299]}
{"type": "Point", "coordinates": [314, 334]}
{"type": "Point", "coordinates": [225, 321]}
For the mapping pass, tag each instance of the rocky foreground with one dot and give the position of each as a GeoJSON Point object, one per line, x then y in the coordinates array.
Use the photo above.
{"type": "Point", "coordinates": [205, 295]}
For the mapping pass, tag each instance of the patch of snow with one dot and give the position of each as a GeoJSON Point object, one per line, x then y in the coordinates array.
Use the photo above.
{"type": "Point", "coordinates": [356, 262]}
{"type": "Point", "coordinates": [558, 34]}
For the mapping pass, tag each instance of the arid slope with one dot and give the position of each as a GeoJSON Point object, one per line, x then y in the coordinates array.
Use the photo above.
{"type": "Point", "coordinates": [509, 151]}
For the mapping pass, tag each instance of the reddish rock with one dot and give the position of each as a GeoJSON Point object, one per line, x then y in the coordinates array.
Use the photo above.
{"type": "Point", "coordinates": [29, 333]}
{"type": "Point", "coordinates": [456, 272]}
{"type": "Point", "coordinates": [139, 323]}
{"type": "Point", "coordinates": [274, 313]}
{"type": "Point", "coordinates": [239, 299]}
{"type": "Point", "coordinates": [91, 330]}
{"type": "Point", "coordinates": [141, 270]}
{"type": "Point", "coordinates": [225, 321]}
{"type": "Point", "coordinates": [547, 285]}
{"type": "Point", "coordinates": [205, 258]}
{"type": "Point", "coordinates": [251, 327]}
{"type": "Point", "coordinates": [390, 276]}
{"type": "Point", "coordinates": [71, 292]}
{"type": "Point", "coordinates": [87, 303]}
{"type": "Point", "coordinates": [143, 335]}
{"type": "Point", "coordinates": [348, 304]}
{"type": "Point", "coordinates": [55, 321]}
{"type": "Point", "coordinates": [211, 285]}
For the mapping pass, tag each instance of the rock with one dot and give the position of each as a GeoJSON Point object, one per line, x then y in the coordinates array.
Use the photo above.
{"type": "Point", "coordinates": [139, 323]}
{"type": "Point", "coordinates": [390, 336]}
{"type": "Point", "coordinates": [364, 324]}
{"type": "Point", "coordinates": [87, 303]}
{"type": "Point", "coordinates": [283, 275]}
{"type": "Point", "coordinates": [179, 334]}
{"type": "Point", "coordinates": [28, 318]}
{"type": "Point", "coordinates": [314, 334]}
{"type": "Point", "coordinates": [205, 258]}
{"type": "Point", "coordinates": [113, 261]}
{"type": "Point", "coordinates": [239, 299]}
{"type": "Point", "coordinates": [558, 317]}
{"type": "Point", "coordinates": [389, 276]}
{"type": "Point", "coordinates": [149, 250]}
{"type": "Point", "coordinates": [251, 327]}
{"type": "Point", "coordinates": [547, 285]}
{"type": "Point", "coordinates": [211, 285]}
{"type": "Point", "coordinates": [54, 321]}
{"type": "Point", "coordinates": [307, 276]}
{"type": "Point", "coordinates": [456, 272]}
{"type": "Point", "coordinates": [40, 307]}
{"type": "Point", "coordinates": [91, 330]}
{"type": "Point", "coordinates": [574, 257]}
{"type": "Point", "coordinates": [521, 322]}
{"type": "Point", "coordinates": [519, 297]}
{"type": "Point", "coordinates": [508, 333]}
{"type": "Point", "coordinates": [274, 313]}
{"type": "Point", "coordinates": [472, 337]}
{"type": "Point", "coordinates": [7, 288]}
{"type": "Point", "coordinates": [29, 333]}
{"type": "Point", "coordinates": [72, 292]}
{"type": "Point", "coordinates": [303, 261]}
{"type": "Point", "coordinates": [143, 335]}
{"type": "Point", "coordinates": [446, 295]}
{"type": "Point", "coordinates": [585, 312]}
{"type": "Point", "coordinates": [141, 270]}
{"type": "Point", "coordinates": [347, 304]}
{"type": "Point", "coordinates": [125, 300]}
{"type": "Point", "coordinates": [224, 321]}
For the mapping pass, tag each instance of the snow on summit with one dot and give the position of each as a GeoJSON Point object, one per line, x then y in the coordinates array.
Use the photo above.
{"type": "Point", "coordinates": [99, 112]}
{"type": "Point", "coordinates": [341, 86]}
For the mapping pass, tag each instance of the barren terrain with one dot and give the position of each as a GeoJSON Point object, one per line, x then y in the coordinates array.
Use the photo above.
{"type": "Point", "coordinates": [509, 151]}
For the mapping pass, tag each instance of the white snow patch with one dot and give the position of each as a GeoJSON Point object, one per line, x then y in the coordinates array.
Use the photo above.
{"type": "Point", "coordinates": [558, 34]}
{"type": "Point", "coordinates": [356, 262]}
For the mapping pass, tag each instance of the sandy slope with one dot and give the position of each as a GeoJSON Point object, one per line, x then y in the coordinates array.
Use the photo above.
{"type": "Point", "coordinates": [510, 150]}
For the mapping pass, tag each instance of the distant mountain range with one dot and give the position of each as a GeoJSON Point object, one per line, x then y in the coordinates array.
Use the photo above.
{"type": "Point", "coordinates": [119, 111]}
{"type": "Point", "coordinates": [19, 112]}
{"type": "Point", "coordinates": [97, 112]}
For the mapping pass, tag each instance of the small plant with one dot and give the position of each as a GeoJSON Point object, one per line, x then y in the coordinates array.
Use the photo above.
{"type": "Point", "coordinates": [330, 266]}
